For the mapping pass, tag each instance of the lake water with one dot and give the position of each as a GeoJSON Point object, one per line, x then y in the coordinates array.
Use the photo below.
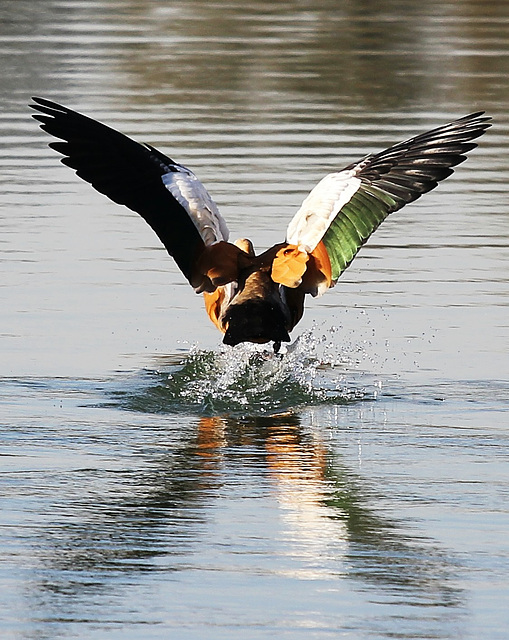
{"type": "Point", "coordinates": [157, 485]}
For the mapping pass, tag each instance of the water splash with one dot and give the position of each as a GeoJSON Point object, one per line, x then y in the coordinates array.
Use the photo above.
{"type": "Point", "coordinates": [250, 380]}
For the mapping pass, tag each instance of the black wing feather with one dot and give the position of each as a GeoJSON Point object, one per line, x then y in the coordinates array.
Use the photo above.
{"type": "Point", "coordinates": [126, 171]}
{"type": "Point", "coordinates": [415, 166]}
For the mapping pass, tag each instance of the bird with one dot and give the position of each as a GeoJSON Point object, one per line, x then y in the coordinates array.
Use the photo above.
{"type": "Point", "coordinates": [257, 298]}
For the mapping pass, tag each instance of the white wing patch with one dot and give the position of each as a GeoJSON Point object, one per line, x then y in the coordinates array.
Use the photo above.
{"type": "Point", "coordinates": [319, 209]}
{"type": "Point", "coordinates": [185, 187]}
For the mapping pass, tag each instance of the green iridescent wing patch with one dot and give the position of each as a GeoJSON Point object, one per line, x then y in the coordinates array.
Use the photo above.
{"type": "Point", "coordinates": [357, 220]}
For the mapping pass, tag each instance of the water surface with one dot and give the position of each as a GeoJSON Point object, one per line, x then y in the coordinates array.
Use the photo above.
{"type": "Point", "coordinates": [157, 485]}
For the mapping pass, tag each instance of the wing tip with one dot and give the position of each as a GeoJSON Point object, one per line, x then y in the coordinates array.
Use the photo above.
{"type": "Point", "coordinates": [38, 103]}
{"type": "Point", "coordinates": [477, 115]}
{"type": "Point", "coordinates": [47, 111]}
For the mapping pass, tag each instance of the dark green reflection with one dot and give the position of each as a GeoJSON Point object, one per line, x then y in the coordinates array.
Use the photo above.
{"type": "Point", "coordinates": [155, 515]}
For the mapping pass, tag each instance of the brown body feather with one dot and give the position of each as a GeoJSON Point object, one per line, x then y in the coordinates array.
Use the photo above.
{"type": "Point", "coordinates": [261, 298]}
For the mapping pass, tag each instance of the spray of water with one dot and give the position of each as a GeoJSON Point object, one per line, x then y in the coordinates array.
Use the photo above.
{"type": "Point", "coordinates": [251, 380]}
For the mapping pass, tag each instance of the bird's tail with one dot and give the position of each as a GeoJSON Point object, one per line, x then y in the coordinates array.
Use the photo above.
{"type": "Point", "coordinates": [256, 320]}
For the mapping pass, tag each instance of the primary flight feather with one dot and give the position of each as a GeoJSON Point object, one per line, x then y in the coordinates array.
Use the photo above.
{"type": "Point", "coordinates": [257, 298]}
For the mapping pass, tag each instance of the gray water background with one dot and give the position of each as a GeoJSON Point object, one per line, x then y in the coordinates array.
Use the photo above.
{"type": "Point", "coordinates": [156, 485]}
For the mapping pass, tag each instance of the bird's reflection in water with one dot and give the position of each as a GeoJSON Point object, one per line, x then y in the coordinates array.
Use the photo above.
{"type": "Point", "coordinates": [331, 523]}
{"type": "Point", "coordinates": [159, 515]}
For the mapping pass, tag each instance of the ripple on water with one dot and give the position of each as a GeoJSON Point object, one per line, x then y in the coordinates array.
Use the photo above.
{"type": "Point", "coordinates": [247, 379]}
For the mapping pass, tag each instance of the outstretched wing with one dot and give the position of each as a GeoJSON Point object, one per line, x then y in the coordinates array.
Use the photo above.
{"type": "Point", "coordinates": [345, 208]}
{"type": "Point", "coordinates": [166, 194]}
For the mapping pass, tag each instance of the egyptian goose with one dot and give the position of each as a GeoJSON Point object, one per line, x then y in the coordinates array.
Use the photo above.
{"type": "Point", "coordinates": [260, 298]}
